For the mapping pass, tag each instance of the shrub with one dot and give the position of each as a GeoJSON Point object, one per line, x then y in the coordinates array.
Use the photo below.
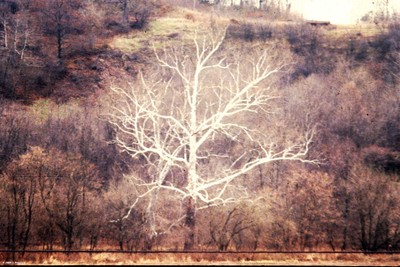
{"type": "Point", "coordinates": [248, 32]}
{"type": "Point", "coordinates": [306, 41]}
{"type": "Point", "coordinates": [141, 17]}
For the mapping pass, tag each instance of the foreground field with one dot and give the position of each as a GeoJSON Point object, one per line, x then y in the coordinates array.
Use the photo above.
{"type": "Point", "coordinates": [282, 259]}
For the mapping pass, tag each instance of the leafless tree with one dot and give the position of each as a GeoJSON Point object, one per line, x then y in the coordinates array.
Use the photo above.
{"type": "Point", "coordinates": [60, 21]}
{"type": "Point", "coordinates": [224, 230]}
{"type": "Point", "coordinates": [373, 208]}
{"type": "Point", "coordinates": [138, 9]}
{"type": "Point", "coordinates": [65, 191]}
{"type": "Point", "coordinates": [191, 119]}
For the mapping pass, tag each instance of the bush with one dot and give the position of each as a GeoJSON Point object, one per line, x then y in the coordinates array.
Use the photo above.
{"type": "Point", "coordinates": [387, 49]}
{"type": "Point", "coordinates": [306, 41]}
{"type": "Point", "coordinates": [116, 27]}
{"type": "Point", "coordinates": [248, 32]}
{"type": "Point", "coordinates": [265, 32]}
{"type": "Point", "coordinates": [382, 159]}
{"type": "Point", "coordinates": [141, 18]}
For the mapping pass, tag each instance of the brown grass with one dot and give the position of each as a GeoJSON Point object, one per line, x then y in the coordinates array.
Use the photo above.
{"type": "Point", "coordinates": [203, 259]}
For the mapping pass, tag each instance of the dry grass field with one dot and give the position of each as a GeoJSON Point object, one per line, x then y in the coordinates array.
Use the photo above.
{"type": "Point", "coordinates": [281, 259]}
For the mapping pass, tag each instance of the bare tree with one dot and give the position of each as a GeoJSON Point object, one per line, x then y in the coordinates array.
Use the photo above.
{"type": "Point", "coordinates": [138, 9]}
{"type": "Point", "coordinates": [192, 120]}
{"type": "Point", "coordinates": [60, 21]}
{"type": "Point", "coordinates": [373, 207]}
{"type": "Point", "coordinates": [224, 230]}
{"type": "Point", "coordinates": [64, 184]}
{"type": "Point", "coordinates": [128, 232]}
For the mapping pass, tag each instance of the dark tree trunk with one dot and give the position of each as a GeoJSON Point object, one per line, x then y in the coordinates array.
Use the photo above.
{"type": "Point", "coordinates": [345, 215]}
{"type": "Point", "coordinates": [125, 12]}
{"type": "Point", "coordinates": [190, 223]}
{"type": "Point", "coordinates": [59, 42]}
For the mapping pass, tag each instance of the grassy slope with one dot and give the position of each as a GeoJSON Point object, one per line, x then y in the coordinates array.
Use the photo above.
{"type": "Point", "coordinates": [178, 25]}
{"type": "Point", "coordinates": [162, 31]}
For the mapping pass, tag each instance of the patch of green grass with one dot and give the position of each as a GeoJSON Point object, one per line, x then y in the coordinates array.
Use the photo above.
{"type": "Point", "coordinates": [160, 32]}
{"type": "Point", "coordinates": [176, 27]}
{"type": "Point", "coordinates": [41, 110]}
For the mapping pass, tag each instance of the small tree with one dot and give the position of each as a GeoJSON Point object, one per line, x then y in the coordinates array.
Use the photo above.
{"type": "Point", "coordinates": [21, 189]}
{"type": "Point", "coordinates": [139, 9]}
{"type": "Point", "coordinates": [198, 118]}
{"type": "Point", "coordinates": [225, 228]}
{"type": "Point", "coordinates": [59, 21]}
{"type": "Point", "coordinates": [7, 10]}
{"type": "Point", "coordinates": [64, 184]}
{"type": "Point", "coordinates": [311, 208]}
{"type": "Point", "coordinates": [127, 232]}
{"type": "Point", "coordinates": [373, 205]}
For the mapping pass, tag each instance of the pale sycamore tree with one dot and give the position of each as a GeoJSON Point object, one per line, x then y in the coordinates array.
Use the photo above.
{"type": "Point", "coordinates": [200, 118]}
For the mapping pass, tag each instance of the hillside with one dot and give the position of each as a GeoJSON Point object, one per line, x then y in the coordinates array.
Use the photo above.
{"type": "Point", "coordinates": [153, 125]}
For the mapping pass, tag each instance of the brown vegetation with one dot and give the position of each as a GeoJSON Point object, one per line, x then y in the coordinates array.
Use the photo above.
{"type": "Point", "coordinates": [281, 259]}
{"type": "Point", "coordinates": [74, 174]}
